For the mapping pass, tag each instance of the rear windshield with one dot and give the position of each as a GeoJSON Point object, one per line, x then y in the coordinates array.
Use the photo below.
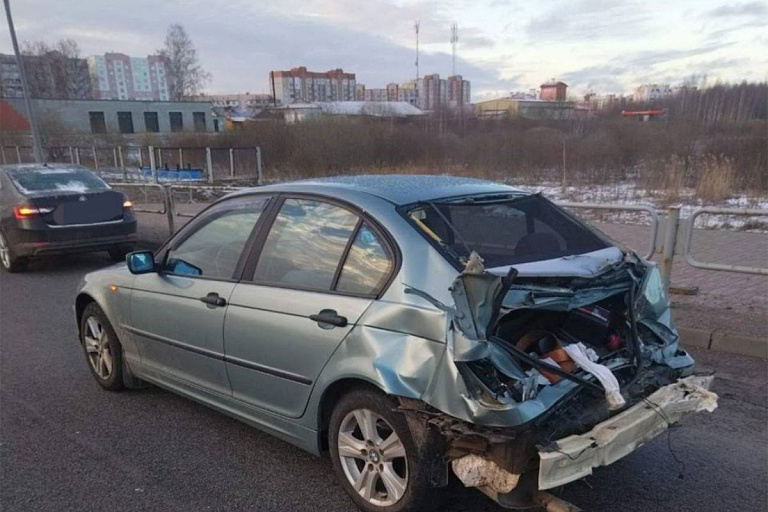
{"type": "Point", "coordinates": [54, 180]}
{"type": "Point", "coordinates": [504, 231]}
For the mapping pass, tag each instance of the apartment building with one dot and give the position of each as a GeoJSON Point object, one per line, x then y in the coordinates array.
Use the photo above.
{"type": "Point", "coordinates": [302, 86]}
{"type": "Point", "coordinates": [117, 76]}
{"type": "Point", "coordinates": [651, 92]}
{"type": "Point", "coordinates": [51, 75]}
{"type": "Point", "coordinates": [427, 93]}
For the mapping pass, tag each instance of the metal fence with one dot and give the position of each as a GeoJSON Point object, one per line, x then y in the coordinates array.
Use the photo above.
{"type": "Point", "coordinates": [668, 231]}
{"type": "Point", "coordinates": [216, 163]}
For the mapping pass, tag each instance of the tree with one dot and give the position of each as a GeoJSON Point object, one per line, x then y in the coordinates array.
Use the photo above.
{"type": "Point", "coordinates": [56, 71]}
{"type": "Point", "coordinates": [186, 77]}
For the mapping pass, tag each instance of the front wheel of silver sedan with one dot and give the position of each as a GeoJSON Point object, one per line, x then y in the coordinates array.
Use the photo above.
{"type": "Point", "coordinates": [374, 456]}
{"type": "Point", "coordinates": [103, 351]}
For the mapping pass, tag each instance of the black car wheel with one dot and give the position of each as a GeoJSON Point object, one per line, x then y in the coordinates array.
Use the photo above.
{"type": "Point", "coordinates": [8, 259]}
{"type": "Point", "coordinates": [374, 455]}
{"type": "Point", "coordinates": [102, 348]}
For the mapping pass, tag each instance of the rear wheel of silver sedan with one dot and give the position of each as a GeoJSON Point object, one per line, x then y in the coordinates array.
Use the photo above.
{"type": "Point", "coordinates": [103, 351]}
{"type": "Point", "coordinates": [374, 457]}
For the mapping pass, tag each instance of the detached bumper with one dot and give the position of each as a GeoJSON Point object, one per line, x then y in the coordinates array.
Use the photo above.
{"type": "Point", "coordinates": [574, 457]}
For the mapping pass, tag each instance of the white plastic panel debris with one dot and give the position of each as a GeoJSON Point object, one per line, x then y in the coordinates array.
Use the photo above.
{"type": "Point", "coordinates": [585, 359]}
{"type": "Point", "coordinates": [575, 456]}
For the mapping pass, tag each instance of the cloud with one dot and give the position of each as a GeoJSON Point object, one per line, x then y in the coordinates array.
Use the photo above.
{"type": "Point", "coordinates": [744, 9]}
{"type": "Point", "coordinates": [503, 45]}
{"type": "Point", "coordinates": [590, 20]}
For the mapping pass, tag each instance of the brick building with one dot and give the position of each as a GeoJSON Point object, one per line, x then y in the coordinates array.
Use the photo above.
{"type": "Point", "coordinates": [301, 86]}
{"type": "Point", "coordinates": [553, 91]}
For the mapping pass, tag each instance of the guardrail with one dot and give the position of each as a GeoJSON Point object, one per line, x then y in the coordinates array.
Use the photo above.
{"type": "Point", "coordinates": [167, 200]}
{"type": "Point", "coordinates": [688, 249]}
{"type": "Point", "coordinates": [623, 207]}
{"type": "Point", "coordinates": [676, 231]}
{"type": "Point", "coordinates": [191, 189]}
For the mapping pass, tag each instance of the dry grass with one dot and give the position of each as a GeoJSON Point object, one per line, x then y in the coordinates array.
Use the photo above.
{"type": "Point", "coordinates": [716, 178]}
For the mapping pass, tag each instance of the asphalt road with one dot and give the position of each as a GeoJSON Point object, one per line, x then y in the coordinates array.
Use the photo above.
{"type": "Point", "coordinates": [65, 444]}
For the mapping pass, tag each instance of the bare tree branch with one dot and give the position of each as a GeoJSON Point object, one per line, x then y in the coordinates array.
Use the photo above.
{"type": "Point", "coordinates": [186, 77]}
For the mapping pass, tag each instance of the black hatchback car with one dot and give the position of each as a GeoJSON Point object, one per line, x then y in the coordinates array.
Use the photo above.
{"type": "Point", "coordinates": [60, 208]}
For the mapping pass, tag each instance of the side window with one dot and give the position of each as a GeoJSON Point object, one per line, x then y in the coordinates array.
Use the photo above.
{"type": "Point", "coordinates": [98, 124]}
{"type": "Point", "coordinates": [151, 123]}
{"type": "Point", "coordinates": [305, 244]}
{"type": "Point", "coordinates": [367, 266]}
{"type": "Point", "coordinates": [198, 119]}
{"type": "Point", "coordinates": [177, 121]}
{"type": "Point", "coordinates": [215, 247]}
{"type": "Point", "coordinates": [125, 122]}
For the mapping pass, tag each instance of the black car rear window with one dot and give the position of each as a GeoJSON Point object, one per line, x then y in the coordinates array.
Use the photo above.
{"type": "Point", "coordinates": [504, 231]}
{"type": "Point", "coordinates": [56, 180]}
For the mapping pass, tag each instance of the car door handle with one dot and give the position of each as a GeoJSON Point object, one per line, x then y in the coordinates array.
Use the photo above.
{"type": "Point", "coordinates": [213, 299]}
{"type": "Point", "coordinates": [329, 318]}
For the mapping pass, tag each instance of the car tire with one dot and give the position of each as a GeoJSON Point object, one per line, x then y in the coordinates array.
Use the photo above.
{"type": "Point", "coordinates": [118, 254]}
{"type": "Point", "coordinates": [8, 259]}
{"type": "Point", "coordinates": [390, 475]}
{"type": "Point", "coordinates": [102, 349]}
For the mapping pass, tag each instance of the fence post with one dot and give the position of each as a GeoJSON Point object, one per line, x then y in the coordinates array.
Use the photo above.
{"type": "Point", "coordinates": [71, 155]}
{"type": "Point", "coordinates": [120, 155]}
{"type": "Point", "coordinates": [152, 167]}
{"type": "Point", "coordinates": [670, 241]}
{"type": "Point", "coordinates": [159, 158]}
{"type": "Point", "coordinates": [231, 162]}
{"type": "Point", "coordinates": [258, 165]}
{"type": "Point", "coordinates": [77, 155]}
{"type": "Point", "coordinates": [95, 159]}
{"type": "Point", "coordinates": [209, 165]}
{"type": "Point", "coordinates": [18, 155]}
{"type": "Point", "coordinates": [2, 150]}
{"type": "Point", "coordinates": [181, 158]}
{"type": "Point", "coordinates": [169, 207]}
{"type": "Point", "coordinates": [114, 157]}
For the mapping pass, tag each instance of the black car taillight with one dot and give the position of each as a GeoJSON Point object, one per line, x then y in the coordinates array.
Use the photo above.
{"type": "Point", "coordinates": [28, 211]}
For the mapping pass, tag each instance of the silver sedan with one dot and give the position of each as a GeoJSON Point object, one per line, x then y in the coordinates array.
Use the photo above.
{"type": "Point", "coordinates": [408, 325]}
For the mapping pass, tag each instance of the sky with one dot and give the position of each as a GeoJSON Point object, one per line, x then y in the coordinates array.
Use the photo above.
{"type": "Point", "coordinates": [602, 46]}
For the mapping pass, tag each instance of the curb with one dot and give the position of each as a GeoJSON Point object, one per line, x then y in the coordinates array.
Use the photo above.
{"type": "Point", "coordinates": [724, 341]}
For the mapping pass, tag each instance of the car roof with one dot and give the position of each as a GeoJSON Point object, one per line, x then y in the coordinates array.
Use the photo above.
{"type": "Point", "coordinates": [399, 189]}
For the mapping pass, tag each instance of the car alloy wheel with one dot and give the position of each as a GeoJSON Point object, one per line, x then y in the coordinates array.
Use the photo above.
{"type": "Point", "coordinates": [5, 252]}
{"type": "Point", "coordinates": [373, 457]}
{"type": "Point", "coordinates": [98, 348]}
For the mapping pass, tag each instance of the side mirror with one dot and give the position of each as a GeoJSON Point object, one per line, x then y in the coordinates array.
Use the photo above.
{"type": "Point", "coordinates": [141, 262]}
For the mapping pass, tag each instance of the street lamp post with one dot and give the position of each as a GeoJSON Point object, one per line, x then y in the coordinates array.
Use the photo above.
{"type": "Point", "coordinates": [36, 147]}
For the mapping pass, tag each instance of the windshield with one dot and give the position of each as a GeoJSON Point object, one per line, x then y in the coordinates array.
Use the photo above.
{"type": "Point", "coordinates": [504, 232]}
{"type": "Point", "coordinates": [56, 180]}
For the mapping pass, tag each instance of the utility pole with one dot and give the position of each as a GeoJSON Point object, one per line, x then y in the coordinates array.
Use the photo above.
{"type": "Point", "coordinates": [454, 41]}
{"type": "Point", "coordinates": [37, 149]}
{"type": "Point", "coordinates": [416, 29]}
